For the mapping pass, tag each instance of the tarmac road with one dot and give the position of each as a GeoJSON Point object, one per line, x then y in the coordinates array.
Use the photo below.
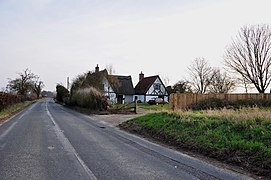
{"type": "Point", "coordinates": [49, 141]}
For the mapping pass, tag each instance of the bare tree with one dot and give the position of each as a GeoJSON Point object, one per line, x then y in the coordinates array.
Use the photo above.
{"type": "Point", "coordinates": [250, 55]}
{"type": "Point", "coordinates": [23, 84]}
{"type": "Point", "coordinates": [221, 82]}
{"type": "Point", "coordinates": [200, 74]}
{"type": "Point", "coordinates": [165, 79]}
{"type": "Point", "coordinates": [244, 83]}
{"type": "Point", "coordinates": [37, 87]}
{"type": "Point", "coordinates": [110, 69]}
{"type": "Point", "coordinates": [181, 87]}
{"type": "Point", "coordinates": [112, 80]}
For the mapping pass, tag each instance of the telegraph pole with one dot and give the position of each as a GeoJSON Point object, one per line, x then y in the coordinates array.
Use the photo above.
{"type": "Point", "coordinates": [68, 83]}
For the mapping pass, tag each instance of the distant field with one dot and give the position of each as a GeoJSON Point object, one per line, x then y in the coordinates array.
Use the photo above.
{"type": "Point", "coordinates": [240, 137]}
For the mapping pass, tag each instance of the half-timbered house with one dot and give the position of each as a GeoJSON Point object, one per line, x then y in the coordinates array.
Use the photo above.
{"type": "Point", "coordinates": [149, 88]}
{"type": "Point", "coordinates": [118, 89]}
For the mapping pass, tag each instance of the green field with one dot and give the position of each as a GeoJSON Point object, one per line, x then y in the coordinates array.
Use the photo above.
{"type": "Point", "coordinates": [239, 137]}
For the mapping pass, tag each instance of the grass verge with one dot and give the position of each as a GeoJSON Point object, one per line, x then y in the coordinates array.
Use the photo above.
{"type": "Point", "coordinates": [245, 143]}
{"type": "Point", "coordinates": [10, 111]}
{"type": "Point", "coordinates": [158, 107]}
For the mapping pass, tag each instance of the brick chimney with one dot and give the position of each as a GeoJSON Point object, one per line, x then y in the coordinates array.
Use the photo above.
{"type": "Point", "coordinates": [141, 76]}
{"type": "Point", "coordinates": [97, 69]}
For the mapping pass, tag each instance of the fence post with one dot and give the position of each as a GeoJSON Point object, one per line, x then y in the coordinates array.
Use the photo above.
{"type": "Point", "coordinates": [135, 106]}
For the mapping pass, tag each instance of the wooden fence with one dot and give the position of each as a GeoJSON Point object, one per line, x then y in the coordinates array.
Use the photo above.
{"type": "Point", "coordinates": [179, 101]}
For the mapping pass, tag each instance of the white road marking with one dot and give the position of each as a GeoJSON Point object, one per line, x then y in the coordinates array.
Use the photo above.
{"type": "Point", "coordinates": [8, 130]}
{"type": "Point", "coordinates": [27, 111]}
{"type": "Point", "coordinates": [68, 146]}
{"type": "Point", "coordinates": [5, 133]}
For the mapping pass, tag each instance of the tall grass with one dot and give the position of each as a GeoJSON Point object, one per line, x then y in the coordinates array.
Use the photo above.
{"type": "Point", "coordinates": [243, 114]}
{"type": "Point", "coordinates": [87, 98]}
{"type": "Point", "coordinates": [158, 107]}
{"type": "Point", "coordinates": [7, 112]}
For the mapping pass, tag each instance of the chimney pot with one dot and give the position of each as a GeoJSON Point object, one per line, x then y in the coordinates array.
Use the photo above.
{"type": "Point", "coordinates": [97, 69]}
{"type": "Point", "coordinates": [141, 76]}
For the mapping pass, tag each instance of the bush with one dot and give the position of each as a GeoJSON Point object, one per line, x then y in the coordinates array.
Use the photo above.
{"type": "Point", "coordinates": [7, 100]}
{"type": "Point", "coordinates": [252, 103]}
{"type": "Point", "coordinates": [88, 98]}
{"type": "Point", "coordinates": [212, 103]}
{"type": "Point", "coordinates": [215, 103]}
{"type": "Point", "coordinates": [61, 93]}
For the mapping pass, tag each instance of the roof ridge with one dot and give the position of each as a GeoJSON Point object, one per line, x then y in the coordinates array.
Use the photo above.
{"type": "Point", "coordinates": [143, 85]}
{"type": "Point", "coordinates": [149, 77]}
{"type": "Point", "coordinates": [119, 75]}
{"type": "Point", "coordinates": [152, 76]}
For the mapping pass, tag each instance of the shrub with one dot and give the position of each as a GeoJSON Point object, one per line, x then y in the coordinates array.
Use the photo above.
{"type": "Point", "coordinates": [88, 98]}
{"type": "Point", "coordinates": [7, 100]}
{"type": "Point", "coordinates": [61, 93]}
{"type": "Point", "coordinates": [215, 103]}
{"type": "Point", "coordinates": [212, 103]}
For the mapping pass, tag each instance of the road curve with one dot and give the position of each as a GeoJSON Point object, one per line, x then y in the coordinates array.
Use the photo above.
{"type": "Point", "coordinates": [49, 141]}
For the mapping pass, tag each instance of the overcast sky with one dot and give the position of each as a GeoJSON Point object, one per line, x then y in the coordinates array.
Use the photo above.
{"type": "Point", "coordinates": [57, 39]}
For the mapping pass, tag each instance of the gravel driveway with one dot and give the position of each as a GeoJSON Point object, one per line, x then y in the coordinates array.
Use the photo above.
{"type": "Point", "coordinates": [116, 119]}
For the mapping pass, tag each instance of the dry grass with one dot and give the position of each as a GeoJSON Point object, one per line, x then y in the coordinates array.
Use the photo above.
{"type": "Point", "coordinates": [8, 112]}
{"type": "Point", "coordinates": [243, 114]}
{"type": "Point", "coordinates": [87, 98]}
{"type": "Point", "coordinates": [90, 90]}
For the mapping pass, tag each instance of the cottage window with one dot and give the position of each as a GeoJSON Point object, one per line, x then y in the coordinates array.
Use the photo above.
{"type": "Point", "coordinates": [157, 86]}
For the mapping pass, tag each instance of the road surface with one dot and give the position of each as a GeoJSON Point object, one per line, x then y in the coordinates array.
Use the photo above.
{"type": "Point", "coordinates": [49, 141]}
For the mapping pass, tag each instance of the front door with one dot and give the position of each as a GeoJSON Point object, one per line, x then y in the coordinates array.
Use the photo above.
{"type": "Point", "coordinates": [120, 99]}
